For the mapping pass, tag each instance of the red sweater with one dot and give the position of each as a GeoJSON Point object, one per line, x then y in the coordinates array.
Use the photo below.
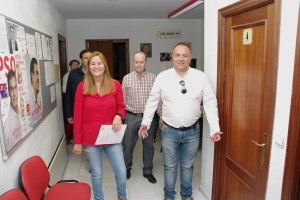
{"type": "Point", "coordinates": [90, 112]}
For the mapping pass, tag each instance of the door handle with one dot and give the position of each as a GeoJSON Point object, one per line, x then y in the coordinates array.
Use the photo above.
{"type": "Point", "coordinates": [257, 144]}
{"type": "Point", "coordinates": [262, 159]}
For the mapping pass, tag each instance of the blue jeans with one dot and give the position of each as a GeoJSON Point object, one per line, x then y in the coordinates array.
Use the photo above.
{"type": "Point", "coordinates": [130, 138]}
{"type": "Point", "coordinates": [179, 146]}
{"type": "Point", "coordinates": [115, 155]}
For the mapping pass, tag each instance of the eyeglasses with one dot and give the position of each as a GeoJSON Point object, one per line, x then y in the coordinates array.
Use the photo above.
{"type": "Point", "coordinates": [182, 83]}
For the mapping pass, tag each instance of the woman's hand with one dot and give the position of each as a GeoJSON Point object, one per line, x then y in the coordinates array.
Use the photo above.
{"type": "Point", "coordinates": [116, 125]}
{"type": "Point", "coordinates": [77, 149]}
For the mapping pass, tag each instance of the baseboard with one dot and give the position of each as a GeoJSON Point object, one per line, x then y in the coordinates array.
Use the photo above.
{"type": "Point", "coordinates": [59, 161]}
{"type": "Point", "coordinates": [203, 193]}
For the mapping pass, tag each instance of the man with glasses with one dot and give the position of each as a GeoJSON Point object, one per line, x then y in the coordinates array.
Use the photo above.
{"type": "Point", "coordinates": [181, 89]}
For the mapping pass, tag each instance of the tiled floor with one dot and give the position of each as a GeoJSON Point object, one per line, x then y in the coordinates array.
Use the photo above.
{"type": "Point", "coordinates": [138, 187]}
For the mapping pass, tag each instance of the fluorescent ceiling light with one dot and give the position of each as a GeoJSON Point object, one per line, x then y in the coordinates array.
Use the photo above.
{"type": "Point", "coordinates": [184, 8]}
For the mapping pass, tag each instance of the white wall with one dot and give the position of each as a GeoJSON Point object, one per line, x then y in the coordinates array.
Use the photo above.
{"type": "Point", "coordinates": [288, 30]}
{"type": "Point", "coordinates": [39, 15]}
{"type": "Point", "coordinates": [137, 31]}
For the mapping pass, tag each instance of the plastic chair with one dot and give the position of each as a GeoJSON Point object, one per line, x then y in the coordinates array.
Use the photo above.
{"type": "Point", "coordinates": [34, 179]}
{"type": "Point", "coordinates": [13, 194]}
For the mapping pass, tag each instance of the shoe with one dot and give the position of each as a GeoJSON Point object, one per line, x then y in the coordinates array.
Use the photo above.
{"type": "Point", "coordinates": [69, 142]}
{"type": "Point", "coordinates": [150, 178]}
{"type": "Point", "coordinates": [128, 174]}
{"type": "Point", "coordinates": [188, 198]}
{"type": "Point", "coordinates": [121, 199]}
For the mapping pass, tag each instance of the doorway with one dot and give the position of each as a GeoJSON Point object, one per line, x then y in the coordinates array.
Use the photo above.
{"type": "Point", "coordinates": [116, 52]}
{"type": "Point", "coordinates": [247, 72]}
{"type": "Point", "coordinates": [62, 53]}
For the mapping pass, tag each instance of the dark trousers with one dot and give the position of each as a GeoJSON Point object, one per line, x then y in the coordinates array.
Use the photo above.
{"type": "Point", "coordinates": [130, 138]}
{"type": "Point", "coordinates": [68, 131]}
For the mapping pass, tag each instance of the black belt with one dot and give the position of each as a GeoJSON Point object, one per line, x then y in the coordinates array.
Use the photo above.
{"type": "Point", "coordinates": [136, 114]}
{"type": "Point", "coordinates": [183, 128]}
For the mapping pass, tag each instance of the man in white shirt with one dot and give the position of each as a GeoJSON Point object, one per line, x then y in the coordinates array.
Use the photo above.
{"type": "Point", "coordinates": [12, 125]}
{"type": "Point", "coordinates": [181, 90]}
{"type": "Point", "coordinates": [73, 64]}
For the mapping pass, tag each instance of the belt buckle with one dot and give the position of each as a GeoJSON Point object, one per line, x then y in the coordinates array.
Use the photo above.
{"type": "Point", "coordinates": [139, 114]}
{"type": "Point", "coordinates": [181, 128]}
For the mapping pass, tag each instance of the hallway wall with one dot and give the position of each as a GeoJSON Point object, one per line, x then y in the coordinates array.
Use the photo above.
{"type": "Point", "coordinates": [42, 16]}
{"type": "Point", "coordinates": [138, 31]}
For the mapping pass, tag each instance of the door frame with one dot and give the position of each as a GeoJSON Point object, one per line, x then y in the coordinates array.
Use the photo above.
{"type": "Point", "coordinates": [224, 13]}
{"type": "Point", "coordinates": [291, 170]}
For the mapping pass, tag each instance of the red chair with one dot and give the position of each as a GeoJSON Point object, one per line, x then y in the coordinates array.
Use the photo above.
{"type": "Point", "coordinates": [34, 179]}
{"type": "Point", "coordinates": [13, 194]}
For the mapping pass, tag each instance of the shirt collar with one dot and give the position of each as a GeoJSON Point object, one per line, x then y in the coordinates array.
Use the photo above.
{"type": "Point", "coordinates": [137, 75]}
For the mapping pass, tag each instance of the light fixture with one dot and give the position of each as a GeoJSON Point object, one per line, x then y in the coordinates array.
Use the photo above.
{"type": "Point", "coordinates": [184, 8]}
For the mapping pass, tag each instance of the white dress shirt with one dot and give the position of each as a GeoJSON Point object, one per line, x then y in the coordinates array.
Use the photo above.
{"type": "Point", "coordinates": [36, 108]}
{"type": "Point", "coordinates": [180, 109]}
{"type": "Point", "coordinates": [12, 129]}
{"type": "Point", "coordinates": [64, 84]}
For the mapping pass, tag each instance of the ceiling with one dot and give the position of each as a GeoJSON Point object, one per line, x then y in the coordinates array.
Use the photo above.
{"type": "Point", "coordinates": [123, 9]}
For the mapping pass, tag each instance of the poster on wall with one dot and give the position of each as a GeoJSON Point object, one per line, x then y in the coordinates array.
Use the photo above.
{"type": "Point", "coordinates": [10, 107]}
{"type": "Point", "coordinates": [26, 62]}
{"type": "Point", "coordinates": [33, 88]}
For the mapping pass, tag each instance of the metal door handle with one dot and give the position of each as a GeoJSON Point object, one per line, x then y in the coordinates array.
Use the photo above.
{"type": "Point", "coordinates": [262, 160]}
{"type": "Point", "coordinates": [260, 145]}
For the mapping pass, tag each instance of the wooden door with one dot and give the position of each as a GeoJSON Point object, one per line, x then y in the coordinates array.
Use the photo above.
{"type": "Point", "coordinates": [246, 94]}
{"type": "Point", "coordinates": [105, 47]}
{"type": "Point", "coordinates": [291, 178]}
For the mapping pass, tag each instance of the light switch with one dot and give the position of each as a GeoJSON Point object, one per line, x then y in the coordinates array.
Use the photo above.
{"type": "Point", "coordinates": [247, 36]}
{"type": "Point", "coordinates": [279, 141]}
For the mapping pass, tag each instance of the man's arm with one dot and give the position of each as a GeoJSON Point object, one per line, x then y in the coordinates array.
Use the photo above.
{"type": "Point", "coordinates": [210, 106]}
{"type": "Point", "coordinates": [69, 100]}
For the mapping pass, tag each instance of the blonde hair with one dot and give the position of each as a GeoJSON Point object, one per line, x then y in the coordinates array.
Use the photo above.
{"type": "Point", "coordinates": [107, 81]}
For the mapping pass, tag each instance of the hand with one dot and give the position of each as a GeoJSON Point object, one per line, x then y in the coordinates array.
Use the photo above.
{"type": "Point", "coordinates": [70, 120]}
{"type": "Point", "coordinates": [116, 125]}
{"type": "Point", "coordinates": [160, 123]}
{"type": "Point", "coordinates": [77, 149]}
{"type": "Point", "coordinates": [143, 131]}
{"type": "Point", "coordinates": [216, 137]}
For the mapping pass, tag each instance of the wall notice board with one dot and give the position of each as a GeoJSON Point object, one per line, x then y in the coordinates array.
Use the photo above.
{"type": "Point", "coordinates": [27, 82]}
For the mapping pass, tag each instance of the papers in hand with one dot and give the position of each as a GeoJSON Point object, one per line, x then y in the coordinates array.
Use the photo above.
{"type": "Point", "coordinates": [108, 136]}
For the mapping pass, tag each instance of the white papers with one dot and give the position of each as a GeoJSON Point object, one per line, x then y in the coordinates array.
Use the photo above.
{"type": "Point", "coordinates": [108, 136]}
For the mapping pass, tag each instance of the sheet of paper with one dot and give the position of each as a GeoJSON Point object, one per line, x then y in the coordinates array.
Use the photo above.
{"type": "Point", "coordinates": [108, 136]}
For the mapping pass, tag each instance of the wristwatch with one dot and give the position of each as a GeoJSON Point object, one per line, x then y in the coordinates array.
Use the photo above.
{"type": "Point", "coordinates": [119, 115]}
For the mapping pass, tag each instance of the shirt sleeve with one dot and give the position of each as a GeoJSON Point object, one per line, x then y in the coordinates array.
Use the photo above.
{"type": "Point", "coordinates": [78, 113]}
{"type": "Point", "coordinates": [210, 106]}
{"type": "Point", "coordinates": [68, 98]}
{"type": "Point", "coordinates": [125, 90]}
{"type": "Point", "coordinates": [64, 84]}
{"type": "Point", "coordinates": [152, 103]}
{"type": "Point", "coordinates": [120, 100]}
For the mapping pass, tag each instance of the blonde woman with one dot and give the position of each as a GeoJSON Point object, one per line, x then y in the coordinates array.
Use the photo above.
{"type": "Point", "coordinates": [99, 101]}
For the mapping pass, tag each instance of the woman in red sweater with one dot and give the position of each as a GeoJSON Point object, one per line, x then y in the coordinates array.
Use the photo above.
{"type": "Point", "coordinates": [99, 101]}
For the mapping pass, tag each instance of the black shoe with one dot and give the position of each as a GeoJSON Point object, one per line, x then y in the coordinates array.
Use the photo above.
{"type": "Point", "coordinates": [128, 174]}
{"type": "Point", "coordinates": [150, 178]}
